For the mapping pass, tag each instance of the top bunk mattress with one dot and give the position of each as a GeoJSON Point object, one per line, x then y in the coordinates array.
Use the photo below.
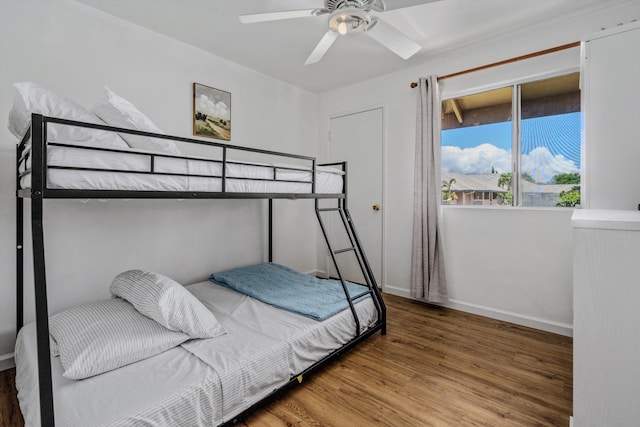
{"type": "Point", "coordinates": [82, 168]}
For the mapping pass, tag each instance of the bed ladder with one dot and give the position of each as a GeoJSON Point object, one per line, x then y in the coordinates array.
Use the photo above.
{"type": "Point", "coordinates": [355, 248]}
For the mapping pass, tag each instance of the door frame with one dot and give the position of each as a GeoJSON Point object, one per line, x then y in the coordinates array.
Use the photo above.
{"type": "Point", "coordinates": [349, 112]}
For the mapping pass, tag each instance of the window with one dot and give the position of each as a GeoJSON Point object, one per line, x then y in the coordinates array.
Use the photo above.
{"type": "Point", "coordinates": [539, 121]}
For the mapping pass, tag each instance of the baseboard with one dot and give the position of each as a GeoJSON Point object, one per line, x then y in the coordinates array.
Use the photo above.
{"type": "Point", "coordinates": [7, 362]}
{"type": "Point", "coordinates": [494, 313]}
{"type": "Point", "coordinates": [396, 291]}
{"type": "Point", "coordinates": [571, 421]}
{"type": "Point", "coordinates": [511, 317]}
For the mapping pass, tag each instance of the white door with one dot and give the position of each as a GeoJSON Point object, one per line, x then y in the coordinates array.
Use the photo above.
{"type": "Point", "coordinates": [357, 138]}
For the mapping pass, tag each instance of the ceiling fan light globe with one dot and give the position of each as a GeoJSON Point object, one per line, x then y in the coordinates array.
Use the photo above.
{"type": "Point", "coordinates": [349, 20]}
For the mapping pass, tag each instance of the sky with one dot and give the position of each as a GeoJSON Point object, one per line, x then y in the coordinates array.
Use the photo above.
{"type": "Point", "coordinates": [550, 146]}
{"type": "Point", "coordinates": [213, 107]}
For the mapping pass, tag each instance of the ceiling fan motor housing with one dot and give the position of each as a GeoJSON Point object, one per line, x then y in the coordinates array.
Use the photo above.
{"type": "Point", "coordinates": [365, 5]}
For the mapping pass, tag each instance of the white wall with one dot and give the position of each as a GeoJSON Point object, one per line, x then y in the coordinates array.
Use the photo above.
{"type": "Point", "coordinates": [611, 76]}
{"type": "Point", "coordinates": [606, 347]}
{"type": "Point", "coordinates": [75, 51]}
{"type": "Point", "coordinates": [513, 264]}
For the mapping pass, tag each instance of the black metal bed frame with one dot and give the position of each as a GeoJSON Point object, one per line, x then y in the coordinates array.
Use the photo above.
{"type": "Point", "coordinates": [38, 191]}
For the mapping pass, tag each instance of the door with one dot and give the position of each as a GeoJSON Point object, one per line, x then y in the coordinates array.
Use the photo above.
{"type": "Point", "coordinates": [358, 139]}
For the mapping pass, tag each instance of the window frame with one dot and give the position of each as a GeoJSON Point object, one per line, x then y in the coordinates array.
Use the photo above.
{"type": "Point", "coordinates": [516, 118]}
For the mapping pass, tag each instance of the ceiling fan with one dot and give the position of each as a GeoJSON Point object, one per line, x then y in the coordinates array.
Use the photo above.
{"type": "Point", "coordinates": [351, 16]}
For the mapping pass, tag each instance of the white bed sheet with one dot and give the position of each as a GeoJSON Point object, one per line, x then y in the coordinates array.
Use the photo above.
{"type": "Point", "coordinates": [328, 179]}
{"type": "Point", "coordinates": [203, 381]}
{"type": "Point", "coordinates": [307, 340]}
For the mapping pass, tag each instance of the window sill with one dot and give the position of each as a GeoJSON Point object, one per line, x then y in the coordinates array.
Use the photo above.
{"type": "Point", "coordinates": [508, 208]}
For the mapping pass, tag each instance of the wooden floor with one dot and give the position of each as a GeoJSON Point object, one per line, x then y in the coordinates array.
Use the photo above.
{"type": "Point", "coordinates": [435, 367]}
{"type": "Point", "coordinates": [9, 411]}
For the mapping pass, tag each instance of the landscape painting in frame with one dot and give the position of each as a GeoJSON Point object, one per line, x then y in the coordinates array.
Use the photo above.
{"type": "Point", "coordinates": [211, 112]}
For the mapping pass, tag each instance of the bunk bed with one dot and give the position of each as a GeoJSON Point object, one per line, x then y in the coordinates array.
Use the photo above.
{"type": "Point", "coordinates": [216, 380]}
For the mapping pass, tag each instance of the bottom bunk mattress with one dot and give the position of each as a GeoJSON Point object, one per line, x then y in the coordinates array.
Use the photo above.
{"type": "Point", "coordinates": [202, 381]}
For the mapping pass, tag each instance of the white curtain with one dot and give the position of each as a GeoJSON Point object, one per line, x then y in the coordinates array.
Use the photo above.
{"type": "Point", "coordinates": [428, 280]}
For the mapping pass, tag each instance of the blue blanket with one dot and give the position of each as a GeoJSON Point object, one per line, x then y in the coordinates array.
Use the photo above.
{"type": "Point", "coordinates": [289, 290]}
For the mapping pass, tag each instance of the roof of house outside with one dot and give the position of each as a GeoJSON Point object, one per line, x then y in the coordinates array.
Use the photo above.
{"type": "Point", "coordinates": [478, 183]}
{"type": "Point", "coordinates": [489, 182]}
{"type": "Point", "coordinates": [530, 187]}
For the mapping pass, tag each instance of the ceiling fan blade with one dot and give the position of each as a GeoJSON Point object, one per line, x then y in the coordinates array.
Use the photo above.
{"type": "Point", "coordinates": [384, 5]}
{"type": "Point", "coordinates": [284, 14]}
{"type": "Point", "coordinates": [322, 47]}
{"type": "Point", "coordinates": [393, 39]}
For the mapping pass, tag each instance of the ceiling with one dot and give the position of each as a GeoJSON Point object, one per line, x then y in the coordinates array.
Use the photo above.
{"type": "Point", "coordinates": [280, 48]}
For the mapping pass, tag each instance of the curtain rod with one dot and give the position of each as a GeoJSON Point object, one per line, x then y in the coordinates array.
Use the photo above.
{"type": "Point", "coordinates": [506, 61]}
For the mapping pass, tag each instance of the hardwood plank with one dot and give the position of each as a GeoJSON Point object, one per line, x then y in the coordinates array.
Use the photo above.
{"type": "Point", "coordinates": [10, 414]}
{"type": "Point", "coordinates": [442, 367]}
{"type": "Point", "coordinates": [435, 367]}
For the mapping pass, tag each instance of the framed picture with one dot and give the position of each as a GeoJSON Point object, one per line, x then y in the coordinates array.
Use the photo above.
{"type": "Point", "coordinates": [211, 112]}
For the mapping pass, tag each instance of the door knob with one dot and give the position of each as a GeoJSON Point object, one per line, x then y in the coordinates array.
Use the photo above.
{"type": "Point", "coordinates": [376, 207]}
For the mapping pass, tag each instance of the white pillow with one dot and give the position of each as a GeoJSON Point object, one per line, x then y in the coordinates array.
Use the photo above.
{"type": "Point", "coordinates": [33, 98]}
{"type": "Point", "coordinates": [117, 111]}
{"type": "Point", "coordinates": [167, 302]}
{"type": "Point", "coordinates": [106, 335]}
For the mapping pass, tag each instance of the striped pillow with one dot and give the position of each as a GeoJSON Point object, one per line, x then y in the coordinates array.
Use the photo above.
{"type": "Point", "coordinates": [106, 335]}
{"type": "Point", "coordinates": [167, 302]}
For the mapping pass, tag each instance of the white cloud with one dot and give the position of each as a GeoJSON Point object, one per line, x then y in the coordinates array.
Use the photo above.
{"type": "Point", "coordinates": [212, 108]}
{"type": "Point", "coordinates": [475, 160]}
{"type": "Point", "coordinates": [539, 163]}
{"type": "Point", "coordinates": [542, 165]}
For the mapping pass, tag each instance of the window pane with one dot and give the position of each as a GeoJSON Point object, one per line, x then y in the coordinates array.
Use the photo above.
{"type": "Point", "coordinates": [550, 142]}
{"type": "Point", "coordinates": [476, 149]}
